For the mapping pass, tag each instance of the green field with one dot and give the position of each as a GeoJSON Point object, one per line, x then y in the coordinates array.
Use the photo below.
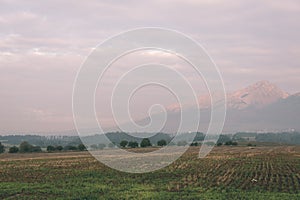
{"type": "Point", "coordinates": [227, 173]}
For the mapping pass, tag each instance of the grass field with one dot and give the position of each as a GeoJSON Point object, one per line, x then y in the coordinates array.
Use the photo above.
{"type": "Point", "coordinates": [227, 173]}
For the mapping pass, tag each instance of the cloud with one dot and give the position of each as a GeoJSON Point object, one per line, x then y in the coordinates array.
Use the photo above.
{"type": "Point", "coordinates": [42, 45]}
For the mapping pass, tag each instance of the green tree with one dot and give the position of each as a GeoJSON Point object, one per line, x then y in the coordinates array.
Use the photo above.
{"type": "Point", "coordinates": [162, 143]}
{"type": "Point", "coordinates": [36, 149]}
{"type": "Point", "coordinates": [2, 149]}
{"type": "Point", "coordinates": [81, 147]}
{"type": "Point", "coordinates": [13, 149]}
{"type": "Point", "coordinates": [194, 144]}
{"type": "Point", "coordinates": [59, 148]}
{"type": "Point", "coordinates": [146, 142]}
{"type": "Point", "coordinates": [133, 144]}
{"type": "Point", "coordinates": [25, 147]}
{"type": "Point", "coordinates": [50, 148]}
{"type": "Point", "coordinates": [223, 139]}
{"type": "Point", "coordinates": [231, 143]}
{"type": "Point", "coordinates": [123, 143]}
{"type": "Point", "coordinates": [70, 148]}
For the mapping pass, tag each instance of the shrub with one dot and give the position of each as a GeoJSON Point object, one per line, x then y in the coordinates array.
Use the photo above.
{"type": "Point", "coordinates": [231, 143]}
{"type": "Point", "coordinates": [59, 148]}
{"type": "Point", "coordinates": [161, 143]}
{"type": "Point", "coordinates": [25, 147]}
{"type": "Point", "coordinates": [50, 148]}
{"type": "Point", "coordinates": [123, 143]}
{"type": "Point", "coordinates": [2, 149]}
{"type": "Point", "coordinates": [81, 147]}
{"type": "Point", "coordinates": [13, 149]}
{"type": "Point", "coordinates": [133, 144]}
{"type": "Point", "coordinates": [36, 149]}
{"type": "Point", "coordinates": [194, 144]}
{"type": "Point", "coordinates": [70, 148]}
{"type": "Point", "coordinates": [146, 143]}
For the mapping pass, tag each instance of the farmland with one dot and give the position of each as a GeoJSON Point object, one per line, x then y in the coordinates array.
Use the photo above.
{"type": "Point", "coordinates": [264, 172]}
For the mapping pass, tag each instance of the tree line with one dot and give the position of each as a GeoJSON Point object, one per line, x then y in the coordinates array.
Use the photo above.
{"type": "Point", "coordinates": [26, 147]}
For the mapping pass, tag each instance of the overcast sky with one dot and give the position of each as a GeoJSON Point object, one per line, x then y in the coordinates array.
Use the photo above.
{"type": "Point", "coordinates": [43, 43]}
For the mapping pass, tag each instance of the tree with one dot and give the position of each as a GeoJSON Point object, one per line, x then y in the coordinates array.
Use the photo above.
{"type": "Point", "coordinates": [146, 143]}
{"type": "Point", "coordinates": [219, 144]}
{"type": "Point", "coordinates": [123, 143]}
{"type": "Point", "coordinates": [50, 148]}
{"type": "Point", "coordinates": [81, 147]}
{"type": "Point", "coordinates": [223, 139]}
{"type": "Point", "coordinates": [70, 148]}
{"type": "Point", "coordinates": [25, 147]}
{"type": "Point", "coordinates": [161, 143]}
{"type": "Point", "coordinates": [59, 148]}
{"type": "Point", "coordinates": [13, 149]}
{"type": "Point", "coordinates": [231, 143]}
{"type": "Point", "coordinates": [133, 144]}
{"type": "Point", "coordinates": [36, 149]}
{"type": "Point", "coordinates": [2, 149]}
{"type": "Point", "coordinates": [194, 144]}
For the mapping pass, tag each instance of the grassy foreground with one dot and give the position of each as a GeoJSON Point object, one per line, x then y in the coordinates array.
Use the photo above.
{"type": "Point", "coordinates": [227, 173]}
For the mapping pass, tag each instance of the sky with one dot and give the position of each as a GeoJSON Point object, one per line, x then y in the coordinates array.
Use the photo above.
{"type": "Point", "coordinates": [44, 43]}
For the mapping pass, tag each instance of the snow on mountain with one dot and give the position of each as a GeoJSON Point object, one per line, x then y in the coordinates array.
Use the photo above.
{"type": "Point", "coordinates": [257, 95]}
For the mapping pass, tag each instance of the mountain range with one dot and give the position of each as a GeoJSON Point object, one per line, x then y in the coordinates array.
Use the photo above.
{"type": "Point", "coordinates": [260, 107]}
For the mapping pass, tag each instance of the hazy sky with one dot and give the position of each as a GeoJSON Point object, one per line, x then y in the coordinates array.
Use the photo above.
{"type": "Point", "coordinates": [43, 43]}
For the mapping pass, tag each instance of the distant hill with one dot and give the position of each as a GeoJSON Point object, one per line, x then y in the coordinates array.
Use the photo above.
{"type": "Point", "coordinates": [117, 137]}
{"type": "Point", "coordinates": [259, 107]}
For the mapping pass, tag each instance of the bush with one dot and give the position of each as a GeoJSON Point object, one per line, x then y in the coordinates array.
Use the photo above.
{"type": "Point", "coordinates": [50, 148]}
{"type": "Point", "coordinates": [223, 139]}
{"type": "Point", "coordinates": [146, 143]}
{"type": "Point", "coordinates": [219, 144]}
{"type": "Point", "coordinates": [194, 144]}
{"type": "Point", "coordinates": [231, 143]}
{"type": "Point", "coordinates": [25, 147]}
{"type": "Point", "coordinates": [59, 148]}
{"type": "Point", "coordinates": [123, 143]}
{"type": "Point", "coordinates": [81, 147]}
{"type": "Point", "coordinates": [13, 149]}
{"type": "Point", "coordinates": [133, 144]}
{"type": "Point", "coordinates": [2, 149]}
{"type": "Point", "coordinates": [70, 148]}
{"type": "Point", "coordinates": [36, 149]}
{"type": "Point", "coordinates": [161, 143]}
